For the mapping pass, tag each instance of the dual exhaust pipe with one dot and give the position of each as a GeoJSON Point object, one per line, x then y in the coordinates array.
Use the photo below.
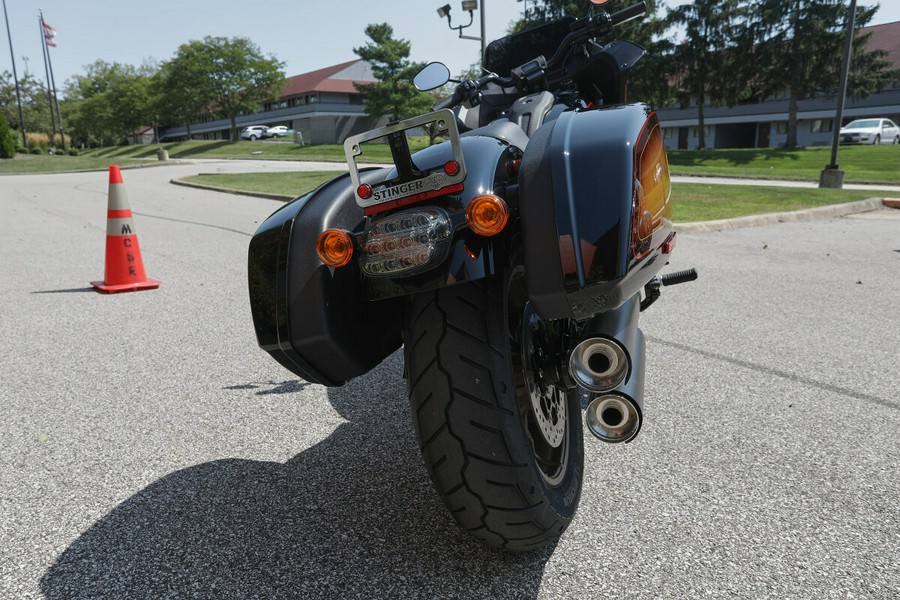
{"type": "Point", "coordinates": [613, 372]}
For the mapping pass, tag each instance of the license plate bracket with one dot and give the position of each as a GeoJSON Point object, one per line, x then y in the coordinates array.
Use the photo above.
{"type": "Point", "coordinates": [412, 182]}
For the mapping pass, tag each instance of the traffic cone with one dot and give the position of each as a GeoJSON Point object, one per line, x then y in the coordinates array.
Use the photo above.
{"type": "Point", "coordinates": [124, 266]}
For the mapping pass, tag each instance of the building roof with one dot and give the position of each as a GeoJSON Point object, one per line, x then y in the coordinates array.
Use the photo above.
{"type": "Point", "coordinates": [885, 37]}
{"type": "Point", "coordinates": [337, 79]}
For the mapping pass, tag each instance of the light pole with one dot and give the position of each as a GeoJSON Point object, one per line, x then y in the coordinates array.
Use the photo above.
{"type": "Point", "coordinates": [12, 57]}
{"type": "Point", "coordinates": [832, 176]}
{"type": "Point", "coordinates": [471, 6]}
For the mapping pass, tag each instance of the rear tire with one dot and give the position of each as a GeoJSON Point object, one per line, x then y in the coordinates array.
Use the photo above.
{"type": "Point", "coordinates": [506, 456]}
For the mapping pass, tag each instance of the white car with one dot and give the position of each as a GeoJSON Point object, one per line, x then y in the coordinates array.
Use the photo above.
{"type": "Point", "coordinates": [870, 131]}
{"type": "Point", "coordinates": [277, 131]}
{"type": "Point", "coordinates": [254, 132]}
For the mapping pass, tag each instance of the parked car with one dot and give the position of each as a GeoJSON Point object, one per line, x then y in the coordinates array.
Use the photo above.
{"type": "Point", "coordinates": [278, 131]}
{"type": "Point", "coordinates": [870, 131]}
{"type": "Point", "coordinates": [254, 132]}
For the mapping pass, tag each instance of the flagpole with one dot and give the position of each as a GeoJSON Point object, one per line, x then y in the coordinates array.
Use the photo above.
{"type": "Point", "coordinates": [12, 57]}
{"type": "Point", "coordinates": [47, 75]}
{"type": "Point", "coordinates": [62, 133]}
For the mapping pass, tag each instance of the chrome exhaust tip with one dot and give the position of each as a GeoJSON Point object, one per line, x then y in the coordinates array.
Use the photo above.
{"type": "Point", "coordinates": [613, 419]}
{"type": "Point", "coordinates": [598, 364]}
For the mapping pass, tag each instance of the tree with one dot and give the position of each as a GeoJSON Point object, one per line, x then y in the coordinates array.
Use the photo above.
{"type": "Point", "coordinates": [226, 76]}
{"type": "Point", "coordinates": [7, 139]}
{"type": "Point", "coordinates": [35, 107]}
{"type": "Point", "coordinates": [706, 62]}
{"type": "Point", "coordinates": [799, 48]}
{"type": "Point", "coordinates": [393, 93]}
{"type": "Point", "coordinates": [109, 102]}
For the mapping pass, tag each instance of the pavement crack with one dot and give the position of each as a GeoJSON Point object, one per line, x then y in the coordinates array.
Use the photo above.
{"type": "Point", "coordinates": [778, 373]}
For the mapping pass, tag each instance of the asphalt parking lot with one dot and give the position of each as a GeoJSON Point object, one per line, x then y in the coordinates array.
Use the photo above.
{"type": "Point", "coordinates": [149, 449]}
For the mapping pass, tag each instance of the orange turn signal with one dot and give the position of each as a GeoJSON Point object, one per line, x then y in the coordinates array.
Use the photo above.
{"type": "Point", "coordinates": [334, 247]}
{"type": "Point", "coordinates": [487, 215]}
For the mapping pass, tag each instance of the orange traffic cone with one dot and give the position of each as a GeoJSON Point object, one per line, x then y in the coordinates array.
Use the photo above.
{"type": "Point", "coordinates": [124, 266]}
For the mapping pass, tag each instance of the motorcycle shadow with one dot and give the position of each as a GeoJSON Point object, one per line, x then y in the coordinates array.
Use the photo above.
{"type": "Point", "coordinates": [354, 515]}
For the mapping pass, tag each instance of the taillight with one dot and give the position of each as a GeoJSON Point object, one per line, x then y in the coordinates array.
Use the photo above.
{"type": "Point", "coordinates": [652, 187]}
{"type": "Point", "coordinates": [487, 215]}
{"type": "Point", "coordinates": [405, 242]}
{"type": "Point", "coordinates": [334, 247]}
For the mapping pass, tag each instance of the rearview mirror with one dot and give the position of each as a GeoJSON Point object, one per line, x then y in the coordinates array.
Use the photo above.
{"type": "Point", "coordinates": [433, 75]}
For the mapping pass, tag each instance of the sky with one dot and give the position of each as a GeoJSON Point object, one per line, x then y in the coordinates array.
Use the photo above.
{"type": "Point", "coordinates": [305, 34]}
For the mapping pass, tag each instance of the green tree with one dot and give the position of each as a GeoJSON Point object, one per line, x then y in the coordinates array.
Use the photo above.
{"type": "Point", "coordinates": [7, 139]}
{"type": "Point", "coordinates": [224, 76]}
{"type": "Point", "coordinates": [35, 106]}
{"type": "Point", "coordinates": [393, 93]}
{"type": "Point", "coordinates": [707, 60]}
{"type": "Point", "coordinates": [109, 102]}
{"type": "Point", "coordinates": [799, 45]}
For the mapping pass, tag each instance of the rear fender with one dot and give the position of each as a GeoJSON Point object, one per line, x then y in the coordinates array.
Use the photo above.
{"type": "Point", "coordinates": [471, 256]}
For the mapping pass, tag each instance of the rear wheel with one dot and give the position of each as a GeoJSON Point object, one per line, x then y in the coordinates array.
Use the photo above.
{"type": "Point", "coordinates": [501, 441]}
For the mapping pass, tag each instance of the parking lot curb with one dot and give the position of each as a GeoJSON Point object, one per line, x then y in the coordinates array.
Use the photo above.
{"type": "Point", "coordinates": [214, 188]}
{"type": "Point", "coordinates": [810, 214]}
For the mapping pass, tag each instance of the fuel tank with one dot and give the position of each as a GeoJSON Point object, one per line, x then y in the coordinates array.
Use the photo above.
{"type": "Point", "coordinates": [595, 209]}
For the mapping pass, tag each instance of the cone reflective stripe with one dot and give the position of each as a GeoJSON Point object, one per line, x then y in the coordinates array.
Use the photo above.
{"type": "Point", "coordinates": [124, 265]}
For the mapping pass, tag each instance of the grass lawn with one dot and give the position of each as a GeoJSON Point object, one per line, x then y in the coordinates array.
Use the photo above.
{"type": "Point", "coordinates": [286, 184]}
{"type": "Point", "coordinates": [692, 201]}
{"type": "Point", "coordinates": [879, 164]}
{"type": "Point", "coordinates": [706, 202]}
{"type": "Point", "coordinates": [267, 150]}
{"type": "Point", "coordinates": [37, 163]}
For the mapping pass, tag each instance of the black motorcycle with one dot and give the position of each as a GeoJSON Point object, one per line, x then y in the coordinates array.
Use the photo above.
{"type": "Point", "coordinates": [509, 260]}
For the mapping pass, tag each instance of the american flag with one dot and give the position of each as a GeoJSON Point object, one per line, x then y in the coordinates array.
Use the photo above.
{"type": "Point", "coordinates": [49, 33]}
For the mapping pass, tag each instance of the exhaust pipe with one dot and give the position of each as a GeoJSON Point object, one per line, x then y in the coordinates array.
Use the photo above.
{"type": "Point", "coordinates": [616, 413]}
{"type": "Point", "coordinates": [613, 418]}
{"type": "Point", "coordinates": [598, 364]}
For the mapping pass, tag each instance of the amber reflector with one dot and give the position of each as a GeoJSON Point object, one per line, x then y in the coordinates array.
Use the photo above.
{"type": "Point", "coordinates": [334, 247]}
{"type": "Point", "coordinates": [487, 215]}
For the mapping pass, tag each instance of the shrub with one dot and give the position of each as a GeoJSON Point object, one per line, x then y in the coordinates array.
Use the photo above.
{"type": "Point", "coordinates": [7, 139]}
{"type": "Point", "coordinates": [41, 141]}
{"type": "Point", "coordinates": [57, 141]}
{"type": "Point", "coordinates": [73, 151]}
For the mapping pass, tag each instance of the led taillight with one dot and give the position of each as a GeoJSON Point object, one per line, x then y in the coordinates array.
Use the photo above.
{"type": "Point", "coordinates": [487, 215]}
{"type": "Point", "coordinates": [334, 247]}
{"type": "Point", "coordinates": [405, 242]}
{"type": "Point", "coordinates": [364, 191]}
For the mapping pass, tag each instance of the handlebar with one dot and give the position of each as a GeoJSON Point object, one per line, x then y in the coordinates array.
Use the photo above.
{"type": "Point", "coordinates": [626, 14]}
{"type": "Point", "coordinates": [599, 24]}
{"type": "Point", "coordinates": [450, 102]}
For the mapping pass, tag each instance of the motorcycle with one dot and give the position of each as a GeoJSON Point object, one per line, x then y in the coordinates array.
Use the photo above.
{"type": "Point", "coordinates": [509, 260]}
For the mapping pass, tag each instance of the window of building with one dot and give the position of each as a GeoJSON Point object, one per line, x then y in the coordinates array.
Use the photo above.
{"type": "Point", "coordinates": [668, 133]}
{"type": "Point", "coordinates": [781, 128]}
{"type": "Point", "coordinates": [707, 130]}
{"type": "Point", "coordinates": [821, 125]}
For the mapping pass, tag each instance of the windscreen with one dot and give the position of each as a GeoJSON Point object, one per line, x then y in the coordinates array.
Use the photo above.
{"type": "Point", "coordinates": [503, 55]}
